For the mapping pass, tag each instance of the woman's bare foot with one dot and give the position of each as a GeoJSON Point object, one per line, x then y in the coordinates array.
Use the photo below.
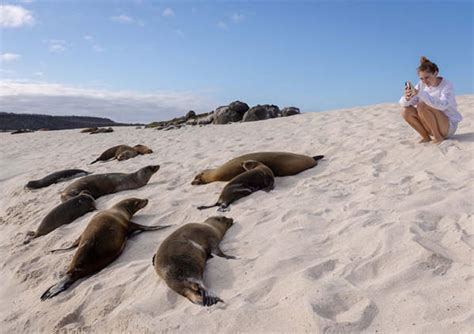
{"type": "Point", "coordinates": [437, 140]}
{"type": "Point", "coordinates": [424, 140]}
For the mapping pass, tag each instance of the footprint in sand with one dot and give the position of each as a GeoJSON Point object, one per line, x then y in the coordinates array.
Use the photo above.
{"type": "Point", "coordinates": [436, 263]}
{"type": "Point", "coordinates": [342, 308]}
{"type": "Point", "coordinates": [317, 271]}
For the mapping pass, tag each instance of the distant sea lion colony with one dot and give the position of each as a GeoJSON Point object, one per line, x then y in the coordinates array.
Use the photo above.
{"type": "Point", "coordinates": [181, 258]}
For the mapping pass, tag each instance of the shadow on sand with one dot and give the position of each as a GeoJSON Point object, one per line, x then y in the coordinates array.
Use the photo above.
{"type": "Point", "coordinates": [464, 137]}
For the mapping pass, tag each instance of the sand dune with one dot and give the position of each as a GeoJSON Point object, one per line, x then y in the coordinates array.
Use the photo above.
{"type": "Point", "coordinates": [377, 238]}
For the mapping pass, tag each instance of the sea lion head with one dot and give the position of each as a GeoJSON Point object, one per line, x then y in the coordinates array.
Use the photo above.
{"type": "Point", "coordinates": [86, 198]}
{"type": "Point", "coordinates": [149, 170]}
{"type": "Point", "coordinates": [142, 149]}
{"type": "Point", "coordinates": [251, 164]}
{"type": "Point", "coordinates": [201, 178]}
{"type": "Point", "coordinates": [132, 205]}
{"type": "Point", "coordinates": [32, 184]}
{"type": "Point", "coordinates": [222, 223]}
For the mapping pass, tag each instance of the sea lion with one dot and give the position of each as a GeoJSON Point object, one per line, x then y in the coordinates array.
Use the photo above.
{"type": "Point", "coordinates": [89, 130]}
{"type": "Point", "coordinates": [103, 184]}
{"type": "Point", "coordinates": [112, 153]}
{"type": "Point", "coordinates": [101, 242]}
{"type": "Point", "coordinates": [122, 152]}
{"type": "Point", "coordinates": [256, 177]}
{"type": "Point", "coordinates": [101, 130]}
{"type": "Point", "coordinates": [62, 175]}
{"type": "Point", "coordinates": [64, 213]}
{"type": "Point", "coordinates": [21, 131]}
{"type": "Point", "coordinates": [281, 163]}
{"type": "Point", "coordinates": [181, 258]}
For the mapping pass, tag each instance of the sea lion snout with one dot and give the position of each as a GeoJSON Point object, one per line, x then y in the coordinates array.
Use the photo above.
{"type": "Point", "coordinates": [154, 168]}
{"type": "Point", "coordinates": [197, 180]}
{"type": "Point", "coordinates": [142, 203]}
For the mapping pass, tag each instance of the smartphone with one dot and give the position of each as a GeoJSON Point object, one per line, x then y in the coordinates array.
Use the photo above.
{"type": "Point", "coordinates": [408, 85]}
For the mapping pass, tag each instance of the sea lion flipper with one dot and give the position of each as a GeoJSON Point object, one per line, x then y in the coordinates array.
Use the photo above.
{"type": "Point", "coordinates": [74, 245]}
{"type": "Point", "coordinates": [57, 288]}
{"type": "Point", "coordinates": [134, 227]}
{"type": "Point", "coordinates": [218, 252]}
{"type": "Point", "coordinates": [202, 207]}
{"type": "Point", "coordinates": [208, 298]}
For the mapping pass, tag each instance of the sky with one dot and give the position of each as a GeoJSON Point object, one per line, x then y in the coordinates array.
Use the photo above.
{"type": "Point", "coordinates": [141, 60]}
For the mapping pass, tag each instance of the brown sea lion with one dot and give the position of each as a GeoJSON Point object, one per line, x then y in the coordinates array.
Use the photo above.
{"type": "Point", "coordinates": [181, 258]}
{"type": "Point", "coordinates": [89, 130]}
{"type": "Point", "coordinates": [122, 152]}
{"type": "Point", "coordinates": [62, 175]}
{"type": "Point", "coordinates": [113, 153]}
{"type": "Point", "coordinates": [102, 184]}
{"type": "Point", "coordinates": [101, 130]}
{"type": "Point", "coordinates": [256, 177]}
{"type": "Point", "coordinates": [101, 242]}
{"type": "Point", "coordinates": [281, 163]}
{"type": "Point", "coordinates": [64, 213]}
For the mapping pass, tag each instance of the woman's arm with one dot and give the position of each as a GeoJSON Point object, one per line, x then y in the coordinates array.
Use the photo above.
{"type": "Point", "coordinates": [445, 100]}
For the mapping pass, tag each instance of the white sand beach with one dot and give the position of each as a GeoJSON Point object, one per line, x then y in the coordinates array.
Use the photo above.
{"type": "Point", "coordinates": [377, 238]}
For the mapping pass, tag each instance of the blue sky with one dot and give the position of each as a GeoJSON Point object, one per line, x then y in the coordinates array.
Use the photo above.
{"type": "Point", "coordinates": [163, 58]}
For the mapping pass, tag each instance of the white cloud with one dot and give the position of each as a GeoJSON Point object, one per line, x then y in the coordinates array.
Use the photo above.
{"type": "Point", "coordinates": [122, 106]}
{"type": "Point", "coordinates": [98, 48]}
{"type": "Point", "coordinates": [7, 57]}
{"type": "Point", "coordinates": [125, 19]}
{"type": "Point", "coordinates": [56, 45]}
{"type": "Point", "coordinates": [122, 19]}
{"type": "Point", "coordinates": [222, 25]}
{"type": "Point", "coordinates": [168, 12]}
{"type": "Point", "coordinates": [15, 16]}
{"type": "Point", "coordinates": [95, 46]}
{"type": "Point", "coordinates": [38, 74]}
{"type": "Point", "coordinates": [236, 17]}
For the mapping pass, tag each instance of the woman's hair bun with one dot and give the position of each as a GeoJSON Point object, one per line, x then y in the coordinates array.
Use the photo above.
{"type": "Point", "coordinates": [424, 60]}
{"type": "Point", "coordinates": [427, 65]}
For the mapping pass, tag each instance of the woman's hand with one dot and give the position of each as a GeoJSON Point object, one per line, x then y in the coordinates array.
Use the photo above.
{"type": "Point", "coordinates": [414, 93]}
{"type": "Point", "coordinates": [408, 95]}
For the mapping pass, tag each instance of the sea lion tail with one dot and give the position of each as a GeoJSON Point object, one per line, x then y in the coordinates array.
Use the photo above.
{"type": "Point", "coordinates": [202, 207]}
{"type": "Point", "coordinates": [59, 287]}
{"type": "Point", "coordinates": [93, 162]}
{"type": "Point", "coordinates": [318, 157]}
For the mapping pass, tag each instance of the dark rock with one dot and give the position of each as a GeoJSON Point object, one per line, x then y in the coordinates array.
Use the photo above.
{"type": "Point", "coordinates": [261, 112]}
{"type": "Point", "coordinates": [190, 114]}
{"type": "Point", "coordinates": [231, 113]}
{"type": "Point", "coordinates": [290, 111]}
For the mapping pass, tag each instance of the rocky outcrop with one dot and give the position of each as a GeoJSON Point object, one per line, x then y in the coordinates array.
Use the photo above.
{"type": "Point", "coordinates": [232, 113]}
{"type": "Point", "coordinates": [237, 111]}
{"type": "Point", "coordinates": [261, 112]}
